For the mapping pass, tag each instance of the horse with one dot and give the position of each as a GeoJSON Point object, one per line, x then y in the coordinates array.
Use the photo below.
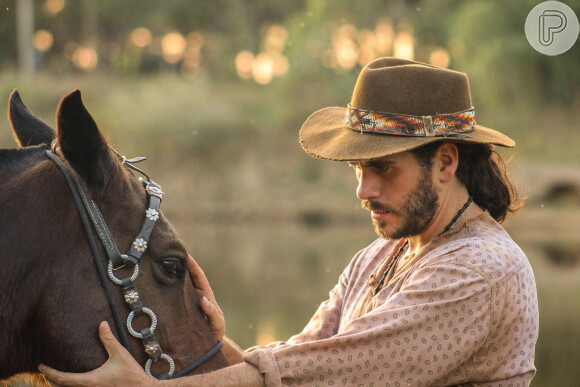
{"type": "Point", "coordinates": [51, 296]}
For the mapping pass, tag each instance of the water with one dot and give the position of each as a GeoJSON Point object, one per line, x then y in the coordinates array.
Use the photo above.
{"type": "Point", "coordinates": [269, 277]}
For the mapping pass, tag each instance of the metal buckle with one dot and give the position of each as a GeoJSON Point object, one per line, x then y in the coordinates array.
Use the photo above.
{"type": "Point", "coordinates": [112, 276]}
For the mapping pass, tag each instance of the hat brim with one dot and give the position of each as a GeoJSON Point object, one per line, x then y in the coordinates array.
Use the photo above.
{"type": "Point", "coordinates": [323, 135]}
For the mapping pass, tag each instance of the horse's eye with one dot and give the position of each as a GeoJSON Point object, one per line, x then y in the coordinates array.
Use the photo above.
{"type": "Point", "coordinates": [172, 267]}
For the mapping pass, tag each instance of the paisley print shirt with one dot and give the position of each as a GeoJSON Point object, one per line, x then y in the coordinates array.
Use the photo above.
{"type": "Point", "coordinates": [462, 313]}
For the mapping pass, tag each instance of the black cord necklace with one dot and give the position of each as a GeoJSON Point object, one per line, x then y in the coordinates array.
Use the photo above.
{"type": "Point", "coordinates": [450, 227]}
{"type": "Point", "coordinates": [390, 265]}
{"type": "Point", "coordinates": [455, 220]}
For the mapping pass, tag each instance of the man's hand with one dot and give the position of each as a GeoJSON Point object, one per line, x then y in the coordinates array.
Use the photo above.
{"type": "Point", "coordinates": [233, 353]}
{"type": "Point", "coordinates": [206, 297]}
{"type": "Point", "coordinates": [120, 370]}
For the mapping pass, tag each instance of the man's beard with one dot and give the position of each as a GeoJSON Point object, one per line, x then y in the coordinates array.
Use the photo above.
{"type": "Point", "coordinates": [416, 213]}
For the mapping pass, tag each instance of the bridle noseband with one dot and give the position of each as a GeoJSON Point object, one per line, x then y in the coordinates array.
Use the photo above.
{"type": "Point", "coordinates": [90, 214]}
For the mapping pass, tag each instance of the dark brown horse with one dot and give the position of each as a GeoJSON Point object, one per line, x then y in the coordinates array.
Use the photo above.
{"type": "Point", "coordinates": [51, 298]}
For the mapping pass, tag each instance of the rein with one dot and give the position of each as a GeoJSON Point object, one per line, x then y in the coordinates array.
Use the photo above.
{"type": "Point", "coordinates": [90, 214]}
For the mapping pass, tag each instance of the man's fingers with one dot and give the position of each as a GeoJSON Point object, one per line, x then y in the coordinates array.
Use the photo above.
{"type": "Point", "coordinates": [207, 299]}
{"type": "Point", "coordinates": [61, 378]}
{"type": "Point", "coordinates": [112, 346]}
{"type": "Point", "coordinates": [215, 318]}
{"type": "Point", "coordinates": [208, 308]}
{"type": "Point", "coordinates": [119, 370]}
{"type": "Point", "coordinates": [199, 279]}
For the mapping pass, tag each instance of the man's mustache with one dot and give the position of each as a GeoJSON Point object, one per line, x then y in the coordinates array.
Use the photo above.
{"type": "Point", "coordinates": [373, 205]}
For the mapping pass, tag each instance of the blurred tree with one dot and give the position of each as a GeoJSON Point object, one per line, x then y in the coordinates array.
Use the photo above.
{"type": "Point", "coordinates": [8, 50]}
{"type": "Point", "coordinates": [487, 40]}
{"type": "Point", "coordinates": [24, 32]}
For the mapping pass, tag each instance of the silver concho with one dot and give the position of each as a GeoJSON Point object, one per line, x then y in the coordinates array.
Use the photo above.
{"type": "Point", "coordinates": [152, 214]}
{"type": "Point", "coordinates": [152, 348]}
{"type": "Point", "coordinates": [140, 245]}
{"type": "Point", "coordinates": [131, 297]}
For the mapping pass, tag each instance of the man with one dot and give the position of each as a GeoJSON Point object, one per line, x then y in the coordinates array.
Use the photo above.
{"type": "Point", "coordinates": [443, 297]}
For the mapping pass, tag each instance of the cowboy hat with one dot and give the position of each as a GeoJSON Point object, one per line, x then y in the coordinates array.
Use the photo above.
{"type": "Point", "coordinates": [397, 105]}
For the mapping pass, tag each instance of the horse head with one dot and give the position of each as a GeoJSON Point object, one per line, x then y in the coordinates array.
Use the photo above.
{"type": "Point", "coordinates": [53, 300]}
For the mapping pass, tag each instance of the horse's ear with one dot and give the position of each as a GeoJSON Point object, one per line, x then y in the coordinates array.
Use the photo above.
{"type": "Point", "coordinates": [28, 129]}
{"type": "Point", "coordinates": [81, 141]}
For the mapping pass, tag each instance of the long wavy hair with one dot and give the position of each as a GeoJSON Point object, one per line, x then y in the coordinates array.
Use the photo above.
{"type": "Point", "coordinates": [483, 172]}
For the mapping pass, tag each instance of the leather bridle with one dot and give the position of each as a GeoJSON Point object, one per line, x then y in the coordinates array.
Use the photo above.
{"type": "Point", "coordinates": [90, 214]}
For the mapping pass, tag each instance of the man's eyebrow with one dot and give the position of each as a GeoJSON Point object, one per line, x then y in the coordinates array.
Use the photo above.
{"type": "Point", "coordinates": [377, 163]}
{"type": "Point", "coordinates": [373, 163]}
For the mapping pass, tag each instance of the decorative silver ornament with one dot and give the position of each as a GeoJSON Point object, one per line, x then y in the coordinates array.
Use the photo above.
{"type": "Point", "coordinates": [131, 297]}
{"type": "Point", "coordinates": [152, 214]}
{"type": "Point", "coordinates": [154, 190]}
{"type": "Point", "coordinates": [140, 245]}
{"type": "Point", "coordinates": [152, 348]}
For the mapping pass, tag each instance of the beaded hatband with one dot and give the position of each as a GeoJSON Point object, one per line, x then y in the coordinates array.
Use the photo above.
{"type": "Point", "coordinates": [445, 125]}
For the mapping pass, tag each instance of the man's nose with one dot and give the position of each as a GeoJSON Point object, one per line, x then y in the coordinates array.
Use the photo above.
{"type": "Point", "coordinates": [368, 186]}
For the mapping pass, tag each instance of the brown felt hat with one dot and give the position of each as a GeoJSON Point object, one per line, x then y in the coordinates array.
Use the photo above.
{"type": "Point", "coordinates": [397, 105]}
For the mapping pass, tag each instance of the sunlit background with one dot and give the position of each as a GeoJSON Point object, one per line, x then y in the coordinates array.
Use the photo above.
{"type": "Point", "coordinates": [340, 46]}
{"type": "Point", "coordinates": [214, 93]}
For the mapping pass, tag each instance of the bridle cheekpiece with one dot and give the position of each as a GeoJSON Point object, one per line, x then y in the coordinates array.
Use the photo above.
{"type": "Point", "coordinates": [91, 215]}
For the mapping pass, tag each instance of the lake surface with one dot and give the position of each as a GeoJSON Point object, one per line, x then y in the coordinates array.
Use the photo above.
{"type": "Point", "coordinates": [269, 276]}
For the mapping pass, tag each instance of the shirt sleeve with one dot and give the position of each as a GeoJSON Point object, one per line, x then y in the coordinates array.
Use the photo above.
{"type": "Point", "coordinates": [420, 336]}
{"type": "Point", "coordinates": [323, 325]}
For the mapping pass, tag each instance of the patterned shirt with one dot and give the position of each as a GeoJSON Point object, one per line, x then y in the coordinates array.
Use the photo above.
{"type": "Point", "coordinates": [462, 312]}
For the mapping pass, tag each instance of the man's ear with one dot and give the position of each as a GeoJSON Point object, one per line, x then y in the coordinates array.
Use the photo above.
{"type": "Point", "coordinates": [446, 161]}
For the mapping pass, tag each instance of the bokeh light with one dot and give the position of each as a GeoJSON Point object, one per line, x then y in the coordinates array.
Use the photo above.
{"type": "Point", "coordinates": [439, 57]}
{"type": "Point", "coordinates": [281, 64]}
{"type": "Point", "coordinates": [85, 58]}
{"type": "Point", "coordinates": [263, 68]}
{"type": "Point", "coordinates": [344, 50]}
{"type": "Point", "coordinates": [342, 47]}
{"type": "Point", "coordinates": [274, 39]}
{"type": "Point", "coordinates": [269, 62]}
{"type": "Point", "coordinates": [192, 56]}
{"type": "Point", "coordinates": [350, 47]}
{"type": "Point", "coordinates": [403, 46]}
{"type": "Point", "coordinates": [244, 61]}
{"type": "Point", "coordinates": [53, 7]}
{"type": "Point", "coordinates": [42, 40]}
{"type": "Point", "coordinates": [173, 46]}
{"type": "Point", "coordinates": [385, 35]}
{"type": "Point", "coordinates": [367, 42]}
{"type": "Point", "coordinates": [346, 53]}
{"type": "Point", "coordinates": [140, 37]}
